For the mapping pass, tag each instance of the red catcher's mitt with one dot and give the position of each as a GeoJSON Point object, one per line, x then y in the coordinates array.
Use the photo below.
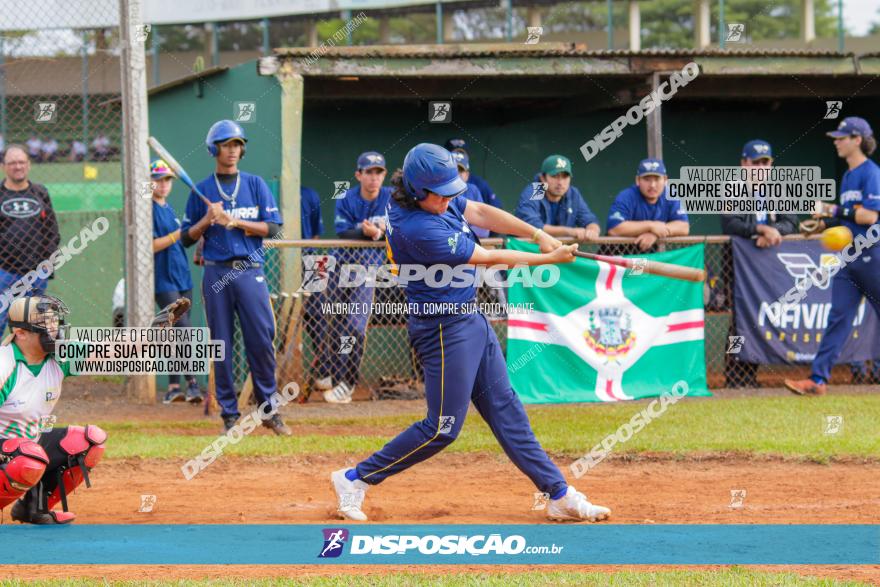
{"type": "Point", "coordinates": [170, 313]}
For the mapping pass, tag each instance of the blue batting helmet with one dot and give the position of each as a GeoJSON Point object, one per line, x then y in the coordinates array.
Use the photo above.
{"type": "Point", "coordinates": [431, 168]}
{"type": "Point", "coordinates": [222, 131]}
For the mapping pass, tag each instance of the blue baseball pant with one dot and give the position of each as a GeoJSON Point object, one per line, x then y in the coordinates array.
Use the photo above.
{"type": "Point", "coordinates": [463, 362]}
{"type": "Point", "coordinates": [861, 277]}
{"type": "Point", "coordinates": [246, 295]}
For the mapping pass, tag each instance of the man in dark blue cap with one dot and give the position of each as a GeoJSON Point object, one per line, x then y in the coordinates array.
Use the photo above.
{"type": "Point", "coordinates": [643, 211]}
{"type": "Point", "coordinates": [767, 229]}
{"type": "Point", "coordinates": [488, 194]}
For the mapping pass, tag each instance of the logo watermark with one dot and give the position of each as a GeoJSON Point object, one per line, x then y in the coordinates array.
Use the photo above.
{"type": "Point", "coordinates": [833, 425]}
{"type": "Point", "coordinates": [735, 32]}
{"type": "Point", "coordinates": [833, 109]}
{"type": "Point", "coordinates": [539, 190]}
{"type": "Point", "coordinates": [45, 112]}
{"type": "Point", "coordinates": [346, 345]}
{"type": "Point", "coordinates": [339, 189]}
{"type": "Point", "coordinates": [646, 106]}
{"type": "Point", "coordinates": [245, 112]}
{"type": "Point", "coordinates": [148, 502]}
{"type": "Point", "coordinates": [737, 498]}
{"type": "Point", "coordinates": [440, 112]}
{"type": "Point", "coordinates": [534, 35]}
{"type": "Point", "coordinates": [627, 430]}
{"type": "Point", "coordinates": [540, 501]}
{"type": "Point", "coordinates": [735, 344]}
{"type": "Point", "coordinates": [334, 541]}
{"type": "Point", "coordinates": [140, 32]}
{"type": "Point", "coordinates": [245, 426]}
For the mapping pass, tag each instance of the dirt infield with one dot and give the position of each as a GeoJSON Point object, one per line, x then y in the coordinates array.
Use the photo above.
{"type": "Point", "coordinates": [297, 491]}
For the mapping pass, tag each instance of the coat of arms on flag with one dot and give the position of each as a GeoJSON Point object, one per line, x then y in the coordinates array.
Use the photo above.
{"type": "Point", "coordinates": [605, 334]}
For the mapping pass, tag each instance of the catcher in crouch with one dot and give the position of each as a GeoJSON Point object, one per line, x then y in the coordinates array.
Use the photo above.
{"type": "Point", "coordinates": [39, 469]}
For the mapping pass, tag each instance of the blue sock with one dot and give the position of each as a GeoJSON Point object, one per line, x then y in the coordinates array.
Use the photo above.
{"type": "Point", "coordinates": [561, 493]}
{"type": "Point", "coordinates": [817, 380]}
{"type": "Point", "coordinates": [352, 475]}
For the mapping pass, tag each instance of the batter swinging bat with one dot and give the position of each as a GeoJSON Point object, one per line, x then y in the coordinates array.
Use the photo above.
{"type": "Point", "coordinates": [648, 266]}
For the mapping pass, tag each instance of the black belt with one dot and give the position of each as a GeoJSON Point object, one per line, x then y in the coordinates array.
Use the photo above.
{"type": "Point", "coordinates": [238, 264]}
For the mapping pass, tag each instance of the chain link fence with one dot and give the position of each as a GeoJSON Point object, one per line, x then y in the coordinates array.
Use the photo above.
{"type": "Point", "coordinates": [61, 142]}
{"type": "Point", "coordinates": [318, 344]}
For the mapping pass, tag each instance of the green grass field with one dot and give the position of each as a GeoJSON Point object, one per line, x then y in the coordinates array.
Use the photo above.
{"type": "Point", "coordinates": [787, 427]}
{"type": "Point", "coordinates": [731, 577]}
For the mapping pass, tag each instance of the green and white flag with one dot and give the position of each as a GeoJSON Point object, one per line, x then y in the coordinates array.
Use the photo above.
{"type": "Point", "coordinates": [605, 333]}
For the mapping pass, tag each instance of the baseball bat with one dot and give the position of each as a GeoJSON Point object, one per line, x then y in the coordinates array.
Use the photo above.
{"type": "Point", "coordinates": [176, 167]}
{"type": "Point", "coordinates": [648, 266]}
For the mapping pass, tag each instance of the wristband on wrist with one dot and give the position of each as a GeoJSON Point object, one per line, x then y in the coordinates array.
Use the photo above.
{"type": "Point", "coordinates": [844, 212]}
{"type": "Point", "coordinates": [536, 235]}
{"type": "Point", "coordinates": [172, 237]}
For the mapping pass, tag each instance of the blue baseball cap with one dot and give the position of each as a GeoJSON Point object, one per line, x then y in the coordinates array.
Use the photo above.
{"type": "Point", "coordinates": [369, 160]}
{"type": "Point", "coordinates": [461, 159]}
{"type": "Point", "coordinates": [757, 149]}
{"type": "Point", "coordinates": [453, 144]}
{"type": "Point", "coordinates": [852, 126]}
{"type": "Point", "coordinates": [651, 167]}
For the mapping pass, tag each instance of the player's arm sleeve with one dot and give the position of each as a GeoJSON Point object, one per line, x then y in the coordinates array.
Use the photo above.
{"type": "Point", "coordinates": [346, 224]}
{"type": "Point", "coordinates": [433, 246]}
{"type": "Point", "coordinates": [676, 214]}
{"type": "Point", "coordinates": [529, 210]}
{"type": "Point", "coordinates": [737, 225]}
{"type": "Point", "coordinates": [583, 215]}
{"type": "Point", "coordinates": [53, 234]}
{"type": "Point", "coordinates": [620, 211]}
{"type": "Point", "coordinates": [195, 210]}
{"type": "Point", "coordinates": [785, 224]}
{"type": "Point", "coordinates": [269, 211]}
{"type": "Point", "coordinates": [871, 191]}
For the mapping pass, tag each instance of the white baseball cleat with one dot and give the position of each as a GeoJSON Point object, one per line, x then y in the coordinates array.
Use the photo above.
{"type": "Point", "coordinates": [350, 495]}
{"type": "Point", "coordinates": [573, 506]}
{"type": "Point", "coordinates": [324, 384]}
{"type": "Point", "coordinates": [341, 394]}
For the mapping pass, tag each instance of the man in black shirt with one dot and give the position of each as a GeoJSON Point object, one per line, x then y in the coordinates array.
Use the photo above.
{"type": "Point", "coordinates": [28, 229]}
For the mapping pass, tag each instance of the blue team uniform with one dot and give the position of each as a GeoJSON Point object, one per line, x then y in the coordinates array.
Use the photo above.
{"type": "Point", "coordinates": [473, 194]}
{"type": "Point", "coordinates": [312, 224]}
{"type": "Point", "coordinates": [861, 277]}
{"type": "Point", "coordinates": [245, 292]}
{"type": "Point", "coordinates": [170, 266]}
{"type": "Point", "coordinates": [631, 205]}
{"type": "Point", "coordinates": [485, 190]}
{"type": "Point", "coordinates": [351, 211]}
{"type": "Point", "coordinates": [461, 356]}
{"type": "Point", "coordinates": [571, 210]}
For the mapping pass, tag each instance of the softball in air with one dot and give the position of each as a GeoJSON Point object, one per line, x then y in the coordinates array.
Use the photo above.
{"type": "Point", "coordinates": [836, 238]}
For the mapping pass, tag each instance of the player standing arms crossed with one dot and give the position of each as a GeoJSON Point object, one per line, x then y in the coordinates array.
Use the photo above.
{"type": "Point", "coordinates": [462, 358]}
{"type": "Point", "coordinates": [858, 209]}
{"type": "Point", "coordinates": [242, 212]}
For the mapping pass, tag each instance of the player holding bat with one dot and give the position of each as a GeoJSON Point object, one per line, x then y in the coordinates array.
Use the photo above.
{"type": "Point", "coordinates": [240, 211]}
{"type": "Point", "coordinates": [428, 224]}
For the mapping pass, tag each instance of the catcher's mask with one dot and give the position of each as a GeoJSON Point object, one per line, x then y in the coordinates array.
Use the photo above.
{"type": "Point", "coordinates": [42, 314]}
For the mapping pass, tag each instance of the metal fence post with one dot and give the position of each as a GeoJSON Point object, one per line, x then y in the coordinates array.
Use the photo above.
{"type": "Point", "coordinates": [137, 209]}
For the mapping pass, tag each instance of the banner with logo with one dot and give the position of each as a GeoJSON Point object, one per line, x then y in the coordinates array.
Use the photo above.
{"type": "Point", "coordinates": [774, 334]}
{"type": "Point", "coordinates": [605, 333]}
{"type": "Point", "coordinates": [452, 544]}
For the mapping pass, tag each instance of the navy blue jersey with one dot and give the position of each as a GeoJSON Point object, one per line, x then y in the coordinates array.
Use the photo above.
{"type": "Point", "coordinates": [861, 186]}
{"type": "Point", "coordinates": [254, 202]}
{"type": "Point", "coordinates": [416, 237]}
{"type": "Point", "coordinates": [310, 208]}
{"type": "Point", "coordinates": [571, 210]}
{"type": "Point", "coordinates": [171, 269]}
{"type": "Point", "coordinates": [486, 191]}
{"type": "Point", "coordinates": [352, 210]}
{"type": "Point", "coordinates": [631, 205]}
{"type": "Point", "coordinates": [473, 194]}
